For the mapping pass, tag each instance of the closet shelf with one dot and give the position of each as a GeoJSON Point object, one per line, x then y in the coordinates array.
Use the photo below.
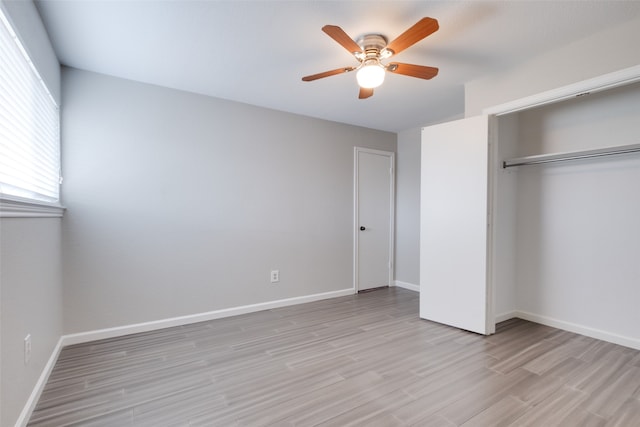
{"type": "Point", "coordinates": [571, 155]}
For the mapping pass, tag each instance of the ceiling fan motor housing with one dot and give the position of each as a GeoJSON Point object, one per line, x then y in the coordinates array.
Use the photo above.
{"type": "Point", "coordinates": [370, 49]}
{"type": "Point", "coordinates": [373, 46]}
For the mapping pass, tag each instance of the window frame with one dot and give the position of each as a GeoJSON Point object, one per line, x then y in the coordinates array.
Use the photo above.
{"type": "Point", "coordinates": [18, 207]}
{"type": "Point", "coordinates": [14, 206]}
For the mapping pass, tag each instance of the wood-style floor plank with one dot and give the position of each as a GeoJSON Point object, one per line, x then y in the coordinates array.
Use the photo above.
{"type": "Point", "coordinates": [361, 360]}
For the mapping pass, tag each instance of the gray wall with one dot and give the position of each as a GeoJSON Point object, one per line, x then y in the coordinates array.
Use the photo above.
{"type": "Point", "coordinates": [407, 268]}
{"type": "Point", "coordinates": [30, 257]}
{"type": "Point", "coordinates": [30, 272]}
{"type": "Point", "coordinates": [180, 204]}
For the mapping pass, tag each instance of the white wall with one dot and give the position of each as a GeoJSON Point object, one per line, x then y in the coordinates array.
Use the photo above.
{"type": "Point", "coordinates": [30, 256]}
{"type": "Point", "coordinates": [601, 53]}
{"type": "Point", "coordinates": [505, 191]}
{"type": "Point", "coordinates": [180, 204]}
{"type": "Point", "coordinates": [577, 234]}
{"type": "Point", "coordinates": [604, 52]}
{"type": "Point", "coordinates": [571, 280]}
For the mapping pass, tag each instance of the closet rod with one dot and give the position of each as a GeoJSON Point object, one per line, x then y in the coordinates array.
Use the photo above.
{"type": "Point", "coordinates": [575, 155]}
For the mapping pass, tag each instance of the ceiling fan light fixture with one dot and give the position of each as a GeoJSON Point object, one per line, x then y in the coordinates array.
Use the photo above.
{"type": "Point", "coordinates": [371, 49]}
{"type": "Point", "coordinates": [370, 75]}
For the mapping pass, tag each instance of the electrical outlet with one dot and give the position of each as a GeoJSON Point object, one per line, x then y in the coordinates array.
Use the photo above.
{"type": "Point", "coordinates": [27, 348]}
{"type": "Point", "coordinates": [275, 276]}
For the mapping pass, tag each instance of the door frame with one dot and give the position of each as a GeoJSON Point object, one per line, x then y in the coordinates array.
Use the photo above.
{"type": "Point", "coordinates": [356, 242]}
{"type": "Point", "coordinates": [588, 86]}
{"type": "Point", "coordinates": [607, 81]}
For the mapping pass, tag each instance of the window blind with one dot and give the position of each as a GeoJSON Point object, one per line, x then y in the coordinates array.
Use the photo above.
{"type": "Point", "coordinates": [29, 126]}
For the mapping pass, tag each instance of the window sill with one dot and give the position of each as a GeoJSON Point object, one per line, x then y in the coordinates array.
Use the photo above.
{"type": "Point", "coordinates": [15, 207]}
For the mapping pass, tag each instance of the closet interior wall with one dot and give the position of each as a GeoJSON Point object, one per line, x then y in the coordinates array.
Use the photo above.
{"type": "Point", "coordinates": [567, 234]}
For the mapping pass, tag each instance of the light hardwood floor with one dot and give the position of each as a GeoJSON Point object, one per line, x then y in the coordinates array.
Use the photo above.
{"type": "Point", "coordinates": [359, 360]}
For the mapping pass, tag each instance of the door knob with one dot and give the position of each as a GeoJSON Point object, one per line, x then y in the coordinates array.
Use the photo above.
{"type": "Point", "coordinates": [362, 228]}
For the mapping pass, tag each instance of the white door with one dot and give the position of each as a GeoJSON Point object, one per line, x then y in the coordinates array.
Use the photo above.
{"type": "Point", "coordinates": [373, 234]}
{"type": "Point", "coordinates": [453, 225]}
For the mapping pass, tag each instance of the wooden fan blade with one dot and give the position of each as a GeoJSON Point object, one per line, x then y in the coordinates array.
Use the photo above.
{"type": "Point", "coordinates": [419, 71]}
{"type": "Point", "coordinates": [365, 93]}
{"type": "Point", "coordinates": [417, 32]}
{"type": "Point", "coordinates": [342, 38]}
{"type": "Point", "coordinates": [327, 74]}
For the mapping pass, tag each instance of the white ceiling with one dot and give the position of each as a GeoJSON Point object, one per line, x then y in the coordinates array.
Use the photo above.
{"type": "Point", "coordinates": [257, 51]}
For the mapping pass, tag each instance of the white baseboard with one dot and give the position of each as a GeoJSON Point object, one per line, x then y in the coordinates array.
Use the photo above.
{"type": "Point", "coordinates": [506, 316]}
{"type": "Point", "coordinates": [99, 334]}
{"type": "Point", "coordinates": [24, 416]}
{"type": "Point", "coordinates": [582, 330]}
{"type": "Point", "coordinates": [234, 311]}
{"type": "Point", "coordinates": [82, 337]}
{"type": "Point", "coordinates": [407, 285]}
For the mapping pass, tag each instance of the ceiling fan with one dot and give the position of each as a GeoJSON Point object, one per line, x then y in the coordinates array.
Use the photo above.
{"type": "Point", "coordinates": [371, 49]}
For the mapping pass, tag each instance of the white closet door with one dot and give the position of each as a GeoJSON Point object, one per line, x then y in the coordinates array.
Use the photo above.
{"type": "Point", "coordinates": [453, 234]}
